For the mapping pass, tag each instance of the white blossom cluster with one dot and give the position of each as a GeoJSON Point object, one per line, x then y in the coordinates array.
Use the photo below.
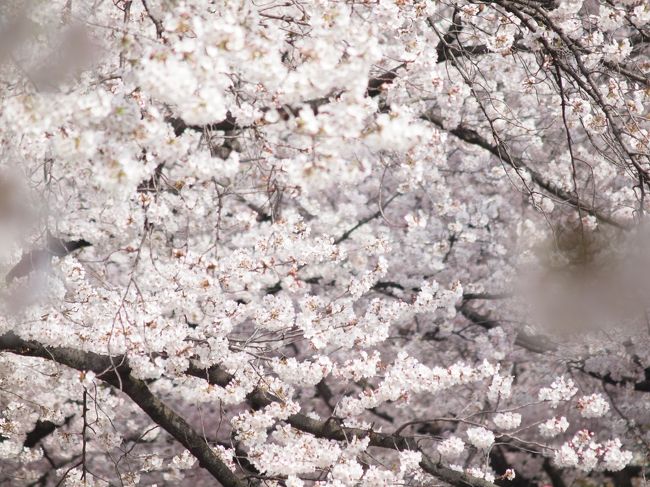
{"type": "Point", "coordinates": [553, 427]}
{"type": "Point", "coordinates": [507, 421]}
{"type": "Point", "coordinates": [451, 448]}
{"type": "Point", "coordinates": [584, 453]}
{"type": "Point", "coordinates": [406, 376]}
{"type": "Point", "coordinates": [301, 226]}
{"type": "Point", "coordinates": [562, 389]}
{"type": "Point", "coordinates": [480, 437]}
{"type": "Point", "coordinates": [501, 387]}
{"type": "Point", "coordinates": [481, 473]}
{"type": "Point", "coordinates": [593, 406]}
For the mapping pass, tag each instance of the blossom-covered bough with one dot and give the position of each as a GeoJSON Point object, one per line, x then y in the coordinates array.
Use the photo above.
{"type": "Point", "coordinates": [335, 243]}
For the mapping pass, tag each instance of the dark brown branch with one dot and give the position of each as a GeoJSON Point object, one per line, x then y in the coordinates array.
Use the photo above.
{"type": "Point", "coordinates": [42, 429]}
{"type": "Point", "coordinates": [375, 86]}
{"type": "Point", "coordinates": [325, 393]}
{"type": "Point", "coordinates": [499, 463]}
{"type": "Point", "coordinates": [639, 385]}
{"type": "Point", "coordinates": [529, 341]}
{"type": "Point", "coordinates": [622, 70]}
{"type": "Point", "coordinates": [554, 474]}
{"type": "Point", "coordinates": [332, 430]}
{"type": "Point", "coordinates": [41, 258]}
{"type": "Point", "coordinates": [226, 125]}
{"type": "Point", "coordinates": [116, 372]}
{"type": "Point", "coordinates": [486, 296]}
{"type": "Point", "coordinates": [365, 220]}
{"type": "Point", "coordinates": [472, 137]}
{"type": "Point", "coordinates": [156, 22]}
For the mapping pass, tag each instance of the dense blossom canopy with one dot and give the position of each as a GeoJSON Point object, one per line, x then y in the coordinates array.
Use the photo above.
{"type": "Point", "coordinates": [324, 242]}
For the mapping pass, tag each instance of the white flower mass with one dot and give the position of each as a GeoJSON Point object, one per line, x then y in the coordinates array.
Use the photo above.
{"type": "Point", "coordinates": [480, 437]}
{"type": "Point", "coordinates": [317, 243]}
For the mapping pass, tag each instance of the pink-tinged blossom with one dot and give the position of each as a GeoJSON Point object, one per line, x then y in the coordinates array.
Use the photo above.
{"type": "Point", "coordinates": [409, 462]}
{"type": "Point", "coordinates": [593, 406]}
{"type": "Point", "coordinates": [365, 365]}
{"type": "Point", "coordinates": [566, 457]}
{"type": "Point", "coordinates": [615, 459]}
{"type": "Point", "coordinates": [586, 454]}
{"type": "Point", "coordinates": [302, 373]}
{"type": "Point", "coordinates": [617, 50]}
{"type": "Point", "coordinates": [509, 474]}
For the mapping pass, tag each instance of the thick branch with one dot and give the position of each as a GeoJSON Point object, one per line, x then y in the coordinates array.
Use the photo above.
{"type": "Point", "coordinates": [639, 385]}
{"type": "Point", "coordinates": [115, 371]}
{"type": "Point", "coordinates": [332, 430]}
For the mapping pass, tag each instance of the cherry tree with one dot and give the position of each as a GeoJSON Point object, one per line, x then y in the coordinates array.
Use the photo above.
{"type": "Point", "coordinates": [324, 242]}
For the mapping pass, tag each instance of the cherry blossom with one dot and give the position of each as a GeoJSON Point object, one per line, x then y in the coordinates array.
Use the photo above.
{"type": "Point", "coordinates": [324, 243]}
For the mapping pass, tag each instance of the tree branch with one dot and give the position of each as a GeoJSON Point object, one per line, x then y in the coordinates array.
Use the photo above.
{"type": "Point", "coordinates": [529, 341]}
{"type": "Point", "coordinates": [332, 430]}
{"type": "Point", "coordinates": [472, 137]}
{"type": "Point", "coordinates": [116, 372]}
